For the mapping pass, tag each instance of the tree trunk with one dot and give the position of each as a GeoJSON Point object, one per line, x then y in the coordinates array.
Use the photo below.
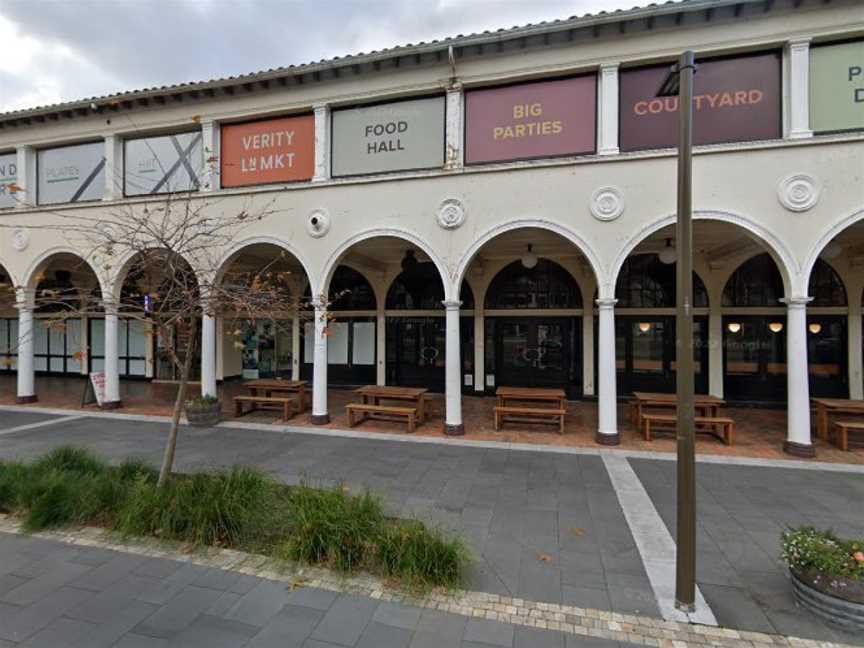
{"type": "Point", "coordinates": [171, 444]}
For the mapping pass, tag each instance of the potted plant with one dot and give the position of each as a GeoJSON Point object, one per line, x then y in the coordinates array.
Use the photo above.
{"type": "Point", "coordinates": [827, 575]}
{"type": "Point", "coordinates": [203, 411]}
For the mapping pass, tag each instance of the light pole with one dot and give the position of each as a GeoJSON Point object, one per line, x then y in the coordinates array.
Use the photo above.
{"type": "Point", "coordinates": [680, 83]}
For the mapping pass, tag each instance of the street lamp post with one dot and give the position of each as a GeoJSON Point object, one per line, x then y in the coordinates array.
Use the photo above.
{"type": "Point", "coordinates": [680, 82]}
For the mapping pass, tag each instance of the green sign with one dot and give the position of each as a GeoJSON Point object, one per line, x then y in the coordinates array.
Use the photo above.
{"type": "Point", "coordinates": [837, 87]}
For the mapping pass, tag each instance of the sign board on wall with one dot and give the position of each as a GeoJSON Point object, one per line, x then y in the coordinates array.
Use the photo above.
{"type": "Point", "coordinates": [268, 151]}
{"type": "Point", "coordinates": [71, 173]}
{"type": "Point", "coordinates": [531, 120]}
{"type": "Point", "coordinates": [8, 177]}
{"type": "Point", "coordinates": [734, 100]}
{"type": "Point", "coordinates": [837, 87]}
{"type": "Point", "coordinates": [396, 136]}
{"type": "Point", "coordinates": [164, 164]}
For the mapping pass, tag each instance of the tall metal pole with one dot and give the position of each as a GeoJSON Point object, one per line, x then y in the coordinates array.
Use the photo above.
{"type": "Point", "coordinates": [685, 573]}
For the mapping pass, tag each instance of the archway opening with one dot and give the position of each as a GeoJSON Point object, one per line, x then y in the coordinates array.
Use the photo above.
{"type": "Point", "coordinates": [8, 323]}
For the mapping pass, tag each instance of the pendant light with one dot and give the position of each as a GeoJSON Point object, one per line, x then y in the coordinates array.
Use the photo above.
{"type": "Point", "coordinates": [775, 327]}
{"type": "Point", "coordinates": [668, 255]}
{"type": "Point", "coordinates": [529, 259]}
{"type": "Point", "coordinates": [644, 326]}
{"type": "Point", "coordinates": [409, 261]}
{"type": "Point", "coordinates": [815, 328]}
{"type": "Point", "coordinates": [734, 327]}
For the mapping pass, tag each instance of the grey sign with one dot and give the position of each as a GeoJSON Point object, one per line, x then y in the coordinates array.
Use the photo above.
{"type": "Point", "coordinates": [71, 173]}
{"type": "Point", "coordinates": [165, 164]}
{"type": "Point", "coordinates": [8, 177]}
{"type": "Point", "coordinates": [396, 136]}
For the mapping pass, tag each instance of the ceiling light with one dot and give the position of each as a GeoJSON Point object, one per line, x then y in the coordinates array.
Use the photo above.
{"type": "Point", "coordinates": [529, 259]}
{"type": "Point", "coordinates": [409, 262]}
{"type": "Point", "coordinates": [815, 328]}
{"type": "Point", "coordinates": [644, 326]}
{"type": "Point", "coordinates": [775, 327]}
{"type": "Point", "coordinates": [668, 255]}
{"type": "Point", "coordinates": [733, 327]}
{"type": "Point", "coordinates": [832, 250]}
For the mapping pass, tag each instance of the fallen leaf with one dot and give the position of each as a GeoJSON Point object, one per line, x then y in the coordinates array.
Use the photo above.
{"type": "Point", "coordinates": [542, 557]}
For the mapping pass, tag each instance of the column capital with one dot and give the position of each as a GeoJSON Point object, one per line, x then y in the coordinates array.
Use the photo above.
{"type": "Point", "coordinates": [606, 303]}
{"type": "Point", "coordinates": [799, 42]}
{"type": "Point", "coordinates": [319, 304]}
{"type": "Point", "coordinates": [610, 67]}
{"type": "Point", "coordinates": [796, 302]}
{"type": "Point", "coordinates": [452, 304]}
{"type": "Point", "coordinates": [453, 86]}
{"type": "Point", "coordinates": [320, 107]}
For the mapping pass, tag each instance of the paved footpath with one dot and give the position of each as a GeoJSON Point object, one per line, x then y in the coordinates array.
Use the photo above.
{"type": "Point", "coordinates": [559, 527]}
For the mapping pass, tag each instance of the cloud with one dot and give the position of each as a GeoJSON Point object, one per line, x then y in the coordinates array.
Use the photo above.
{"type": "Point", "coordinates": [60, 51]}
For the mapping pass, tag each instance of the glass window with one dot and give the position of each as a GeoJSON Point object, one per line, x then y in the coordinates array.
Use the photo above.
{"type": "Point", "coordinates": [826, 287]}
{"type": "Point", "coordinates": [349, 290]}
{"type": "Point", "coordinates": [756, 282]}
{"type": "Point", "coordinates": [646, 282]}
{"type": "Point", "coordinates": [546, 285]}
{"type": "Point", "coordinates": [420, 288]}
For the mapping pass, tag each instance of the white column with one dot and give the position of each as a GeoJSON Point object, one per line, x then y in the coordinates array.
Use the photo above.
{"type": "Point", "coordinates": [295, 344]}
{"type": "Point", "coordinates": [797, 65]}
{"type": "Point", "coordinates": [588, 388]}
{"type": "Point", "coordinates": [453, 371]}
{"type": "Point", "coordinates": [798, 440]}
{"type": "Point", "coordinates": [26, 177]}
{"type": "Point", "coordinates": [607, 398]}
{"type": "Point", "coordinates": [113, 168]}
{"type": "Point", "coordinates": [454, 157]}
{"type": "Point", "coordinates": [211, 179]}
{"type": "Point", "coordinates": [607, 110]}
{"type": "Point", "coordinates": [319, 369]}
{"type": "Point", "coordinates": [856, 367]}
{"type": "Point", "coordinates": [715, 352]}
{"type": "Point", "coordinates": [479, 348]}
{"type": "Point", "coordinates": [208, 355]}
{"type": "Point", "coordinates": [112, 359]}
{"type": "Point", "coordinates": [380, 345]}
{"type": "Point", "coordinates": [322, 143]}
{"type": "Point", "coordinates": [26, 373]}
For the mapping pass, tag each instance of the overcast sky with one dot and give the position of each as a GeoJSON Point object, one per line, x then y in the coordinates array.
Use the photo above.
{"type": "Point", "coordinates": [61, 50]}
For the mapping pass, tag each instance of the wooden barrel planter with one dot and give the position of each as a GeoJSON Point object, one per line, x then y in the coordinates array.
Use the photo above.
{"type": "Point", "coordinates": [836, 600]}
{"type": "Point", "coordinates": [203, 414]}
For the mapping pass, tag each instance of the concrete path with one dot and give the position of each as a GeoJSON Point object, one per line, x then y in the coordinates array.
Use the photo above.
{"type": "Point", "coordinates": [543, 525]}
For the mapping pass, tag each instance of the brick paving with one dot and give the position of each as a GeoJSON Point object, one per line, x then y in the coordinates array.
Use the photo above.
{"type": "Point", "coordinates": [759, 432]}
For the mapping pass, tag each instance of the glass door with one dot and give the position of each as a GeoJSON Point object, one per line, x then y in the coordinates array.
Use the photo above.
{"type": "Point", "coordinates": [536, 352]}
{"type": "Point", "coordinates": [827, 356]}
{"type": "Point", "coordinates": [754, 358]}
{"type": "Point", "coordinates": [416, 352]}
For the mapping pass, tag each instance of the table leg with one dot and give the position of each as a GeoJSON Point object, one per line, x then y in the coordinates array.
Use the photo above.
{"type": "Point", "coordinates": [421, 409]}
{"type": "Point", "coordinates": [821, 421]}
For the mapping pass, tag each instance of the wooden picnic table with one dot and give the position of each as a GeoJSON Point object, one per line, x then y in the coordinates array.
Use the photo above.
{"type": "Point", "coordinates": [374, 394]}
{"type": "Point", "coordinates": [828, 406]}
{"type": "Point", "coordinates": [269, 386]}
{"type": "Point", "coordinates": [707, 405]}
{"type": "Point", "coordinates": [531, 395]}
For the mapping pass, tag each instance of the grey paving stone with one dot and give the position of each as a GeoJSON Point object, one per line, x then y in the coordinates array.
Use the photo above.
{"type": "Point", "coordinates": [224, 603]}
{"type": "Point", "coordinates": [427, 639]}
{"type": "Point", "coordinates": [575, 641]}
{"type": "Point", "coordinates": [108, 572]}
{"type": "Point", "coordinates": [346, 619]}
{"type": "Point", "coordinates": [178, 613]}
{"type": "Point", "coordinates": [443, 624]}
{"type": "Point", "coordinates": [311, 597]}
{"type": "Point", "coordinates": [259, 605]}
{"type": "Point", "coordinates": [213, 632]}
{"type": "Point", "coordinates": [61, 633]}
{"type": "Point", "coordinates": [157, 567]}
{"type": "Point", "coordinates": [397, 615]}
{"type": "Point", "coordinates": [537, 638]}
{"type": "Point", "coordinates": [218, 579]}
{"type": "Point", "coordinates": [36, 588]}
{"type": "Point", "coordinates": [288, 629]}
{"type": "Point", "coordinates": [18, 623]}
{"type": "Point", "coordinates": [378, 635]}
{"type": "Point", "coordinates": [734, 608]}
{"type": "Point", "coordinates": [585, 597]}
{"type": "Point", "coordinates": [8, 582]}
{"type": "Point", "coordinates": [488, 632]}
{"type": "Point", "coordinates": [243, 584]}
{"type": "Point", "coordinates": [140, 641]}
{"type": "Point", "coordinates": [314, 643]}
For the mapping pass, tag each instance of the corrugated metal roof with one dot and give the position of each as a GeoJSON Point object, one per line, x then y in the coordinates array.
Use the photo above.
{"type": "Point", "coordinates": [479, 38]}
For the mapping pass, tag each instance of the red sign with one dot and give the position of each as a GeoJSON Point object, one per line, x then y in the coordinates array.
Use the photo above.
{"type": "Point", "coordinates": [734, 100]}
{"type": "Point", "coordinates": [531, 120]}
{"type": "Point", "coordinates": [268, 151]}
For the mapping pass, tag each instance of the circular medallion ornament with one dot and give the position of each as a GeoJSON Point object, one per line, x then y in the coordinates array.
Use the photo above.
{"type": "Point", "coordinates": [318, 223]}
{"type": "Point", "coordinates": [607, 203]}
{"type": "Point", "coordinates": [451, 214]}
{"type": "Point", "coordinates": [798, 192]}
{"type": "Point", "coordinates": [20, 239]}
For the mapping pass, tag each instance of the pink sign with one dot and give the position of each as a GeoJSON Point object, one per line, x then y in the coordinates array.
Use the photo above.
{"type": "Point", "coordinates": [531, 120]}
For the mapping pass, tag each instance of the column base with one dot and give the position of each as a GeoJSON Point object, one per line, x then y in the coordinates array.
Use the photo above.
{"type": "Point", "coordinates": [612, 439]}
{"type": "Point", "coordinates": [320, 419]}
{"type": "Point", "coordinates": [26, 400]}
{"type": "Point", "coordinates": [454, 430]}
{"type": "Point", "coordinates": [112, 405]}
{"type": "Point", "coordinates": [804, 450]}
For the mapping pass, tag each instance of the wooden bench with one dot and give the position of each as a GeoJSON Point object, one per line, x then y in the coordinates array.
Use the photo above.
{"type": "Point", "coordinates": [383, 412]}
{"type": "Point", "coordinates": [720, 426]}
{"type": "Point", "coordinates": [289, 405]}
{"type": "Point", "coordinates": [841, 432]}
{"type": "Point", "coordinates": [530, 415]}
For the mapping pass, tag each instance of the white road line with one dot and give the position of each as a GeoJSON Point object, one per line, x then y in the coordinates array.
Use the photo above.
{"type": "Point", "coordinates": [32, 426]}
{"type": "Point", "coordinates": [654, 542]}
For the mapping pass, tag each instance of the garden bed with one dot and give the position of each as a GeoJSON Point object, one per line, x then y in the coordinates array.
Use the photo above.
{"type": "Point", "coordinates": [240, 508]}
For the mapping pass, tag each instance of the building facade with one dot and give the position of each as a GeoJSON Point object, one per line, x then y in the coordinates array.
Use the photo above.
{"type": "Point", "coordinates": [498, 208]}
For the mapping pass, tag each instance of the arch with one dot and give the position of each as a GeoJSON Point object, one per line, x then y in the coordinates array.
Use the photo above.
{"type": "Point", "coordinates": [334, 259]}
{"type": "Point", "coordinates": [229, 255]}
{"type": "Point", "coordinates": [352, 300]}
{"type": "Point", "coordinates": [825, 239]}
{"type": "Point", "coordinates": [13, 280]}
{"type": "Point", "coordinates": [658, 279]}
{"type": "Point", "coordinates": [29, 279]}
{"type": "Point", "coordinates": [786, 263]}
{"type": "Point", "coordinates": [561, 288]}
{"type": "Point", "coordinates": [399, 292]}
{"type": "Point", "coordinates": [825, 286]}
{"type": "Point", "coordinates": [120, 276]}
{"type": "Point", "coordinates": [755, 282]}
{"type": "Point", "coordinates": [527, 223]}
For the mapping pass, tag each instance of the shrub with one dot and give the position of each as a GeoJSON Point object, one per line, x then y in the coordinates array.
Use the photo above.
{"type": "Point", "coordinates": [13, 478]}
{"type": "Point", "coordinates": [201, 401]}
{"type": "Point", "coordinates": [71, 459]}
{"type": "Point", "coordinates": [808, 549]}
{"type": "Point", "coordinates": [421, 556]}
